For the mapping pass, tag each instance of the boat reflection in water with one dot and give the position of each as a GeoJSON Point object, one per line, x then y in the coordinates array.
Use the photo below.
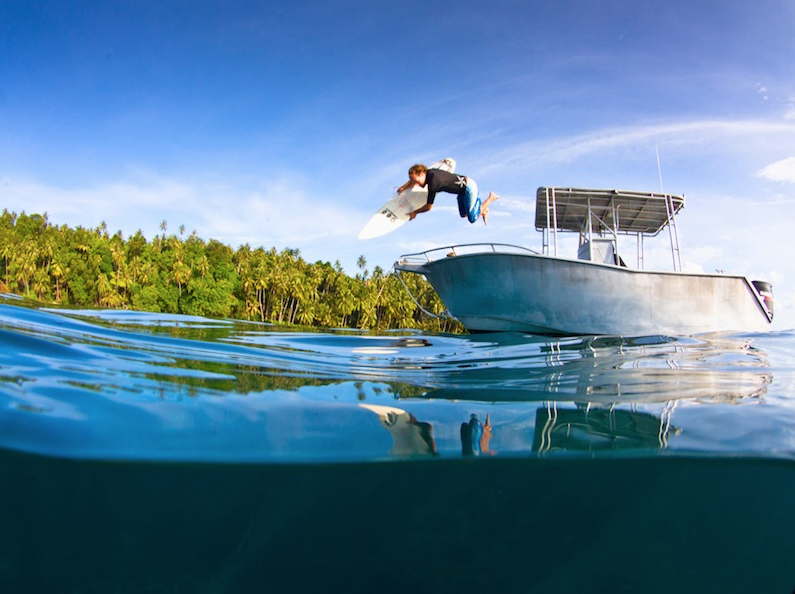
{"type": "Point", "coordinates": [600, 429]}
{"type": "Point", "coordinates": [610, 394]}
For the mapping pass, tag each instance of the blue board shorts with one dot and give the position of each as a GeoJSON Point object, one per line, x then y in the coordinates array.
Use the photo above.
{"type": "Point", "coordinates": [469, 201]}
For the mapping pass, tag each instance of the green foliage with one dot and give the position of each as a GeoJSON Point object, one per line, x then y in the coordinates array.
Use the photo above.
{"type": "Point", "coordinates": [89, 268]}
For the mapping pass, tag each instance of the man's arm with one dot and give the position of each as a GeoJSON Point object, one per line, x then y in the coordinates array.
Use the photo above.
{"type": "Point", "coordinates": [428, 206]}
{"type": "Point", "coordinates": [405, 186]}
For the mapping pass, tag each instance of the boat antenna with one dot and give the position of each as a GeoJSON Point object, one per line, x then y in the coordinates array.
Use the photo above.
{"type": "Point", "coordinates": [659, 168]}
{"type": "Point", "coordinates": [673, 232]}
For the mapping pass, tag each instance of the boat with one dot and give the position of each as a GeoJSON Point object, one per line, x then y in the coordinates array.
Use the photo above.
{"type": "Point", "coordinates": [498, 287]}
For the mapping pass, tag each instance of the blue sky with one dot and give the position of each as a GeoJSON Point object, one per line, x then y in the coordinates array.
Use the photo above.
{"type": "Point", "coordinates": [287, 124]}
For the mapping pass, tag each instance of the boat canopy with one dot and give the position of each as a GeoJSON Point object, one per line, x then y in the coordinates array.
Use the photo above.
{"type": "Point", "coordinates": [614, 211]}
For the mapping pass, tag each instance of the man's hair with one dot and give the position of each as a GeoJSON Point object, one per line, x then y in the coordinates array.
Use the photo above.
{"type": "Point", "coordinates": [417, 169]}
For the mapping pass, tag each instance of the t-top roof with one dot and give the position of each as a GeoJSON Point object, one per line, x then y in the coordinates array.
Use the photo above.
{"type": "Point", "coordinates": [611, 210]}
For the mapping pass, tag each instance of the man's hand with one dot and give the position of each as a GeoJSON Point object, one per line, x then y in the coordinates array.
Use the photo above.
{"type": "Point", "coordinates": [424, 208]}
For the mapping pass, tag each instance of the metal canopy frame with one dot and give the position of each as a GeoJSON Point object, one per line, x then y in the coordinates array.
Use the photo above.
{"type": "Point", "coordinates": [601, 213]}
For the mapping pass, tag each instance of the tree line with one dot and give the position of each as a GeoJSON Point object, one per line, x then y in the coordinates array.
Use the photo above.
{"type": "Point", "coordinates": [186, 275]}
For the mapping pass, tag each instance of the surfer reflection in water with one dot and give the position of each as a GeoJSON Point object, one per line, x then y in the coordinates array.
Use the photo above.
{"type": "Point", "coordinates": [413, 438]}
{"type": "Point", "coordinates": [465, 189]}
{"type": "Point", "coordinates": [475, 436]}
{"type": "Point", "coordinates": [410, 437]}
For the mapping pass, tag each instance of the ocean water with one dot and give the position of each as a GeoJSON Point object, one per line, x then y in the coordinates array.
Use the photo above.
{"type": "Point", "coordinates": [157, 453]}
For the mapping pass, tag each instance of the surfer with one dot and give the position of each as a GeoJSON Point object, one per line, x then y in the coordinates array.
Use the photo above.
{"type": "Point", "coordinates": [465, 189]}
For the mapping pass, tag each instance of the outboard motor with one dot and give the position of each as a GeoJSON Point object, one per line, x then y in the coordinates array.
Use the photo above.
{"type": "Point", "coordinates": [765, 291]}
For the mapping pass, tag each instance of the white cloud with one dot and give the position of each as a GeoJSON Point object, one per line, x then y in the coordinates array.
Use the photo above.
{"type": "Point", "coordinates": [780, 171]}
{"type": "Point", "coordinates": [690, 135]}
{"type": "Point", "coordinates": [277, 214]}
{"type": "Point", "coordinates": [115, 202]}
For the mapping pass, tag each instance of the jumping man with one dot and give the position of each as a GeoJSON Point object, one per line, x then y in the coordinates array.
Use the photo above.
{"type": "Point", "coordinates": [465, 189]}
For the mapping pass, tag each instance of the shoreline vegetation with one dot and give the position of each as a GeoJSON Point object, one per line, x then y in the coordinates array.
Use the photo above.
{"type": "Point", "coordinates": [82, 267]}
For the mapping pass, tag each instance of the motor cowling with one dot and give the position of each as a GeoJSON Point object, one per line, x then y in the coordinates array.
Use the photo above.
{"type": "Point", "coordinates": [765, 291]}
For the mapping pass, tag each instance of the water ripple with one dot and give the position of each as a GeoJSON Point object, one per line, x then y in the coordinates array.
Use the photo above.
{"type": "Point", "coordinates": [131, 385]}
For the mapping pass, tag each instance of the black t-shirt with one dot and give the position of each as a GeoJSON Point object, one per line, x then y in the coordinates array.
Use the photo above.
{"type": "Point", "coordinates": [437, 180]}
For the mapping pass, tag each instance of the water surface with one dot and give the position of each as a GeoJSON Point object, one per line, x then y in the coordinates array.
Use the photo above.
{"type": "Point", "coordinates": [154, 453]}
{"type": "Point", "coordinates": [135, 386]}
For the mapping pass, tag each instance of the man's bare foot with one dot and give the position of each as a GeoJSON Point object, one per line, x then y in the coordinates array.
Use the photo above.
{"type": "Point", "coordinates": [484, 209]}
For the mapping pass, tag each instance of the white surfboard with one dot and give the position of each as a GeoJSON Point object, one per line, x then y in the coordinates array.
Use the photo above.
{"type": "Point", "coordinates": [395, 212]}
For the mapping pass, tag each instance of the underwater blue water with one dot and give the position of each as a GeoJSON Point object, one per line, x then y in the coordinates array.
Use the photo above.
{"type": "Point", "coordinates": [121, 385]}
{"type": "Point", "coordinates": [143, 452]}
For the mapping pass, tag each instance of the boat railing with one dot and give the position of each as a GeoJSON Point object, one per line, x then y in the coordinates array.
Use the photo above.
{"type": "Point", "coordinates": [462, 250]}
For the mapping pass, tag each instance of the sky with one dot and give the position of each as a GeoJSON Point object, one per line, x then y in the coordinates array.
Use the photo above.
{"type": "Point", "coordinates": [288, 124]}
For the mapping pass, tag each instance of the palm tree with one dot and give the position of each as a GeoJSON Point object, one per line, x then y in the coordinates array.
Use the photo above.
{"type": "Point", "coordinates": [41, 283]}
{"type": "Point", "coordinates": [8, 251]}
{"type": "Point", "coordinates": [203, 265]}
{"type": "Point", "coordinates": [26, 265]}
{"type": "Point", "coordinates": [182, 273]}
{"type": "Point", "coordinates": [57, 271]}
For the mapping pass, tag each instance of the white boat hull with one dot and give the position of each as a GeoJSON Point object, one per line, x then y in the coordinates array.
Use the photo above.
{"type": "Point", "coordinates": [493, 291]}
